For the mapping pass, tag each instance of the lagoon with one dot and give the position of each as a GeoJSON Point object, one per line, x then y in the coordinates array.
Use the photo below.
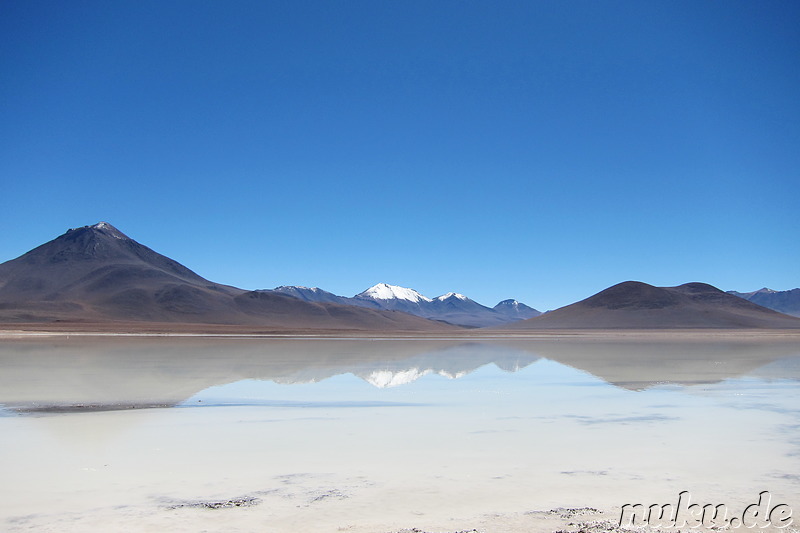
{"type": "Point", "coordinates": [327, 434]}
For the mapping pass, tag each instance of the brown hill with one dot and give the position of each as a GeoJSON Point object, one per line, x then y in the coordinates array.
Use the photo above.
{"type": "Point", "coordinates": [636, 305]}
{"type": "Point", "coordinates": [96, 274]}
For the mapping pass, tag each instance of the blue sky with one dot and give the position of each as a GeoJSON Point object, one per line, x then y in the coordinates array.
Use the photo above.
{"type": "Point", "coordinates": [535, 150]}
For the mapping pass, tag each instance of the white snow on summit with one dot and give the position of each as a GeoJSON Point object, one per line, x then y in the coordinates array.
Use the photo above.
{"type": "Point", "coordinates": [114, 232]}
{"type": "Point", "coordinates": [384, 291]}
{"type": "Point", "coordinates": [452, 295]}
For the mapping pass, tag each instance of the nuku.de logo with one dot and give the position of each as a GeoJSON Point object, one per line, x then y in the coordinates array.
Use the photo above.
{"type": "Point", "coordinates": [693, 515]}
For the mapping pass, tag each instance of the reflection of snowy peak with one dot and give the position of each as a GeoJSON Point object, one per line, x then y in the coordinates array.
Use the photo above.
{"type": "Point", "coordinates": [388, 378]}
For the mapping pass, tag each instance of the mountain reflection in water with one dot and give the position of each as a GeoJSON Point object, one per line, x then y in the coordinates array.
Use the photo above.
{"type": "Point", "coordinates": [85, 374]}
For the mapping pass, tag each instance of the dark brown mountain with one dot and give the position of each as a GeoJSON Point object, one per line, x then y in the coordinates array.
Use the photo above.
{"type": "Point", "coordinates": [96, 274]}
{"type": "Point", "coordinates": [636, 305]}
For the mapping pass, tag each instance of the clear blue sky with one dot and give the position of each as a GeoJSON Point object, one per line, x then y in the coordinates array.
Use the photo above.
{"type": "Point", "coordinates": [535, 150]}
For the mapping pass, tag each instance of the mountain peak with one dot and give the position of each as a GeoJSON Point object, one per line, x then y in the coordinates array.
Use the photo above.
{"type": "Point", "coordinates": [516, 309]}
{"type": "Point", "coordinates": [293, 287]}
{"type": "Point", "coordinates": [101, 227]}
{"type": "Point", "coordinates": [451, 295]}
{"type": "Point", "coordinates": [384, 291]}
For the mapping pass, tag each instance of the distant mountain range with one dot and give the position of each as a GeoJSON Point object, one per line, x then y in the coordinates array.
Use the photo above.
{"type": "Point", "coordinates": [783, 301]}
{"type": "Point", "coordinates": [451, 307]}
{"type": "Point", "coordinates": [636, 305]}
{"type": "Point", "coordinates": [97, 274]}
{"type": "Point", "coordinates": [97, 278]}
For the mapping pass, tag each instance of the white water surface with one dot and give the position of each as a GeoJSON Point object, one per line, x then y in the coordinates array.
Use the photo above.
{"type": "Point", "coordinates": [362, 435]}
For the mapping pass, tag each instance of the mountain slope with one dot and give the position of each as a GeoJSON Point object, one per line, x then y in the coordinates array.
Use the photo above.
{"type": "Point", "coordinates": [458, 309]}
{"type": "Point", "coordinates": [787, 302]}
{"type": "Point", "coordinates": [636, 305]}
{"type": "Point", "coordinates": [98, 274]}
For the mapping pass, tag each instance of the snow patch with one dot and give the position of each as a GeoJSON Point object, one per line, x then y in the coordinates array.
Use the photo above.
{"type": "Point", "coordinates": [384, 291]}
{"type": "Point", "coordinates": [114, 232]}
{"type": "Point", "coordinates": [386, 378]}
{"type": "Point", "coordinates": [452, 295]}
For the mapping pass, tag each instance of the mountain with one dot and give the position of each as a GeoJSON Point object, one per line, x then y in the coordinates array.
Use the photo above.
{"type": "Point", "coordinates": [516, 310]}
{"type": "Point", "coordinates": [97, 274]}
{"type": "Point", "coordinates": [315, 294]}
{"type": "Point", "coordinates": [458, 309]}
{"type": "Point", "coordinates": [395, 298]}
{"type": "Point", "coordinates": [787, 302]}
{"type": "Point", "coordinates": [452, 307]}
{"type": "Point", "coordinates": [155, 371]}
{"type": "Point", "coordinates": [636, 305]}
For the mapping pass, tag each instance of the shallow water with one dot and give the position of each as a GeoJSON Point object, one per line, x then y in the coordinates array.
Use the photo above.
{"type": "Point", "coordinates": [379, 435]}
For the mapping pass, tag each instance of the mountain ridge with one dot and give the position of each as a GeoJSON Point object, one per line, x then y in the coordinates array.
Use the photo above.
{"type": "Point", "coordinates": [787, 302]}
{"type": "Point", "coordinates": [97, 274]}
{"type": "Point", "coordinates": [451, 307]}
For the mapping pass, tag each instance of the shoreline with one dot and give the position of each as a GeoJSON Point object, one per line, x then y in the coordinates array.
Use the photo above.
{"type": "Point", "coordinates": [19, 331]}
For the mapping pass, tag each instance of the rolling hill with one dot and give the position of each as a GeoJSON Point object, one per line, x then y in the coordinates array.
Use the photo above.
{"type": "Point", "coordinates": [636, 305]}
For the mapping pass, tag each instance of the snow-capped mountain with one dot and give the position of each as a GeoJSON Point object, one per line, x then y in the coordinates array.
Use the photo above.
{"type": "Point", "coordinates": [394, 298]}
{"type": "Point", "coordinates": [449, 295]}
{"type": "Point", "coordinates": [782, 301]}
{"type": "Point", "coordinates": [516, 310]}
{"type": "Point", "coordinates": [384, 291]}
{"type": "Point", "coordinates": [315, 294]}
{"type": "Point", "coordinates": [452, 307]}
